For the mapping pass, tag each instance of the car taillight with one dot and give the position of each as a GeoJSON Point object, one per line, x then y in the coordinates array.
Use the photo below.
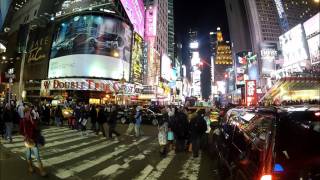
{"type": "Point", "coordinates": [317, 114]}
{"type": "Point", "coordinates": [266, 177]}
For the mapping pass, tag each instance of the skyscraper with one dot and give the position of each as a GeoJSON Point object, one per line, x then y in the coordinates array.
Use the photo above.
{"type": "Point", "coordinates": [170, 30]}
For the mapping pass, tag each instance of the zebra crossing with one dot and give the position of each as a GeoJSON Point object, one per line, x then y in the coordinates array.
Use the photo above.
{"type": "Point", "coordinates": [69, 154]}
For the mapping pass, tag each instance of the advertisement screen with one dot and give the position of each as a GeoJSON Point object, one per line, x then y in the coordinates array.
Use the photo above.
{"type": "Point", "coordinates": [135, 11]}
{"type": "Point", "coordinates": [151, 21]}
{"type": "Point", "coordinates": [251, 93]}
{"type": "Point", "coordinates": [166, 68]}
{"type": "Point", "coordinates": [312, 25]}
{"type": "Point", "coordinates": [293, 44]}
{"type": "Point", "coordinates": [137, 59]}
{"type": "Point", "coordinates": [246, 64]}
{"type": "Point", "coordinates": [91, 46]}
{"type": "Point", "coordinates": [314, 49]}
{"type": "Point", "coordinates": [268, 55]}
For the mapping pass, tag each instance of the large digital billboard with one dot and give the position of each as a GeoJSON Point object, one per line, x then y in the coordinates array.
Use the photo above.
{"type": "Point", "coordinates": [135, 12]}
{"type": "Point", "coordinates": [246, 67]}
{"type": "Point", "coordinates": [294, 46]}
{"type": "Point", "coordinates": [314, 49]}
{"type": "Point", "coordinates": [312, 31]}
{"type": "Point", "coordinates": [91, 46]}
{"type": "Point", "coordinates": [137, 59]}
{"type": "Point", "coordinates": [268, 55]}
{"type": "Point", "coordinates": [166, 67]}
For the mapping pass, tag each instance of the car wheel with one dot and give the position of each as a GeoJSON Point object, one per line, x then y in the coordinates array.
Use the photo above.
{"type": "Point", "coordinates": [155, 122]}
{"type": "Point", "coordinates": [123, 120]}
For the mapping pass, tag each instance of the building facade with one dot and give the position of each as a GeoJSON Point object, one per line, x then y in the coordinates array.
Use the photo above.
{"type": "Point", "coordinates": [171, 44]}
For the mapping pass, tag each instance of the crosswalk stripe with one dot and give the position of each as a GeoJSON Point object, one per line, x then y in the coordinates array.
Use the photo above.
{"type": "Point", "coordinates": [159, 169]}
{"type": "Point", "coordinates": [84, 165]}
{"type": "Point", "coordinates": [50, 130]}
{"type": "Point", "coordinates": [144, 173]}
{"type": "Point", "coordinates": [73, 155]}
{"type": "Point", "coordinates": [19, 138]}
{"type": "Point", "coordinates": [117, 169]}
{"type": "Point", "coordinates": [191, 168]}
{"type": "Point", "coordinates": [61, 136]}
{"type": "Point", "coordinates": [50, 152]}
{"type": "Point", "coordinates": [55, 143]}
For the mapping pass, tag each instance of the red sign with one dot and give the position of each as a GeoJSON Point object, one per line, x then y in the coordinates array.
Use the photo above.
{"type": "Point", "coordinates": [251, 92]}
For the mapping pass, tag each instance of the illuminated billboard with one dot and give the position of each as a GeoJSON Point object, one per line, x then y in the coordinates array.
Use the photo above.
{"type": "Point", "coordinates": [166, 69]}
{"type": "Point", "coordinates": [268, 55]}
{"type": "Point", "coordinates": [251, 93]}
{"type": "Point", "coordinates": [91, 46]}
{"type": "Point", "coordinates": [135, 12]}
{"type": "Point", "coordinates": [294, 46]}
{"type": "Point", "coordinates": [137, 59]}
{"type": "Point", "coordinates": [246, 67]}
{"type": "Point", "coordinates": [312, 31]}
{"type": "Point", "coordinates": [151, 21]}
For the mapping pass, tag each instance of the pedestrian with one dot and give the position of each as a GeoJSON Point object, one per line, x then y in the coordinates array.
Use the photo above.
{"type": "Point", "coordinates": [132, 121]}
{"type": "Point", "coordinates": [85, 114]}
{"type": "Point", "coordinates": [102, 121]}
{"type": "Point", "coordinates": [8, 117]}
{"type": "Point", "coordinates": [29, 129]}
{"type": "Point", "coordinates": [205, 137]}
{"type": "Point", "coordinates": [112, 121]}
{"type": "Point", "coordinates": [58, 116]}
{"type": "Point", "coordinates": [138, 120]}
{"type": "Point", "coordinates": [180, 129]}
{"type": "Point", "coordinates": [162, 137]}
{"type": "Point", "coordinates": [197, 127]}
{"type": "Point", "coordinates": [20, 110]}
{"type": "Point", "coordinates": [2, 125]}
{"type": "Point", "coordinates": [46, 114]}
{"type": "Point", "coordinates": [93, 116]}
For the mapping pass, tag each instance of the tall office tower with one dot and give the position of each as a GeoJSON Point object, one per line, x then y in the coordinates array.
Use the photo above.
{"type": "Point", "coordinates": [156, 37]}
{"type": "Point", "coordinates": [170, 30]}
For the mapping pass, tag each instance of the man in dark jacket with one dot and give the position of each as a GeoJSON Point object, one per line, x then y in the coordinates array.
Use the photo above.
{"type": "Point", "coordinates": [8, 117]}
{"type": "Point", "coordinates": [180, 129]}
{"type": "Point", "coordinates": [102, 121]}
{"type": "Point", "coordinates": [112, 121]}
{"type": "Point", "coordinates": [93, 116]}
{"type": "Point", "coordinates": [198, 127]}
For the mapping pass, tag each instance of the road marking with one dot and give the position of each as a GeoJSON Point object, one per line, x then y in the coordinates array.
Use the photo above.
{"type": "Point", "coordinates": [55, 143]}
{"type": "Point", "coordinates": [84, 165]}
{"type": "Point", "coordinates": [144, 173]}
{"type": "Point", "coordinates": [49, 152]}
{"type": "Point", "coordinates": [116, 169]}
{"type": "Point", "coordinates": [61, 136]}
{"type": "Point", "coordinates": [159, 169]}
{"type": "Point", "coordinates": [73, 155]}
{"type": "Point", "coordinates": [191, 168]}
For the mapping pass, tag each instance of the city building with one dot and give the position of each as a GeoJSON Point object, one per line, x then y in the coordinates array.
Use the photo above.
{"type": "Point", "coordinates": [171, 44]}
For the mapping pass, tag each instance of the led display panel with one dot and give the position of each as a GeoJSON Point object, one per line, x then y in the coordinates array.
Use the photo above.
{"type": "Point", "coordinates": [91, 46]}
{"type": "Point", "coordinates": [137, 59]}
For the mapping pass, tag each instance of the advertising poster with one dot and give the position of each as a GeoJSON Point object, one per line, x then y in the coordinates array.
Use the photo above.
{"type": "Point", "coordinates": [38, 53]}
{"type": "Point", "coordinates": [251, 93]}
{"type": "Point", "coordinates": [314, 49]}
{"type": "Point", "coordinates": [166, 68]}
{"type": "Point", "coordinates": [312, 30]}
{"type": "Point", "coordinates": [91, 46]}
{"type": "Point", "coordinates": [294, 46]}
{"type": "Point", "coordinates": [268, 53]}
{"type": "Point", "coordinates": [137, 59]}
{"type": "Point", "coordinates": [244, 61]}
{"type": "Point", "coordinates": [135, 12]}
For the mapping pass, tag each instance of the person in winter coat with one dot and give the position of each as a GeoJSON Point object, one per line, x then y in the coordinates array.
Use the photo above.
{"type": "Point", "coordinates": [85, 114]}
{"type": "Point", "coordinates": [102, 121]}
{"type": "Point", "coordinates": [58, 116]}
{"type": "Point", "coordinates": [112, 122]}
{"type": "Point", "coordinates": [197, 128]}
{"type": "Point", "coordinates": [29, 129]}
{"type": "Point", "coordinates": [2, 125]}
{"type": "Point", "coordinates": [8, 117]}
{"type": "Point", "coordinates": [180, 129]}
{"type": "Point", "coordinates": [162, 137]}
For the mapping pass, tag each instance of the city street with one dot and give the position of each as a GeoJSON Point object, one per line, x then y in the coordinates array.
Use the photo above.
{"type": "Point", "coordinates": [69, 155]}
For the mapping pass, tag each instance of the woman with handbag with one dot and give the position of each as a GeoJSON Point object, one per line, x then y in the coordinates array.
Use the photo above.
{"type": "Point", "coordinates": [32, 136]}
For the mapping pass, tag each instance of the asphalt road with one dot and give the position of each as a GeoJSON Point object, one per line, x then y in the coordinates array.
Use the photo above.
{"type": "Point", "coordinates": [70, 155]}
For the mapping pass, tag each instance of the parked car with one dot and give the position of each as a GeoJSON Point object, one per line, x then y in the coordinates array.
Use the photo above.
{"type": "Point", "coordinates": [269, 143]}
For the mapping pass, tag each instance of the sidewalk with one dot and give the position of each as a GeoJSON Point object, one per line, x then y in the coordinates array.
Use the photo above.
{"type": "Point", "coordinates": [12, 167]}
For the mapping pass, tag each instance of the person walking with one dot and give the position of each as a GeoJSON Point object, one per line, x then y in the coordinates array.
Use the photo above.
{"type": "Point", "coordinates": [112, 121]}
{"type": "Point", "coordinates": [85, 114]}
{"type": "Point", "coordinates": [29, 129]}
{"type": "Point", "coordinates": [180, 129]}
{"type": "Point", "coordinates": [58, 116]}
{"type": "Point", "coordinates": [198, 127]}
{"type": "Point", "coordinates": [138, 120]}
{"type": "Point", "coordinates": [162, 137]}
{"type": "Point", "coordinates": [93, 116]}
{"type": "Point", "coordinates": [8, 117]}
{"type": "Point", "coordinates": [130, 130]}
{"type": "Point", "coordinates": [102, 121]}
{"type": "Point", "coordinates": [2, 125]}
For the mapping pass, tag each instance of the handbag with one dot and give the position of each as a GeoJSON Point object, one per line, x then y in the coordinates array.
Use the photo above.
{"type": "Point", "coordinates": [170, 136]}
{"type": "Point", "coordinates": [29, 143]}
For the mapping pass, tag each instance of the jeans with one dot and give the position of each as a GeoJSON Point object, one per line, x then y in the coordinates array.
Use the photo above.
{"type": "Point", "coordinates": [180, 145]}
{"type": "Point", "coordinates": [195, 145]}
{"type": "Point", "coordinates": [103, 128]}
{"type": "Point", "coordinates": [35, 151]}
{"type": "Point", "coordinates": [9, 126]}
{"type": "Point", "coordinates": [137, 130]}
{"type": "Point", "coordinates": [58, 121]}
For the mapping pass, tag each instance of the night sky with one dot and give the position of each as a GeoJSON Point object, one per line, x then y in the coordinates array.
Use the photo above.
{"type": "Point", "coordinates": [203, 16]}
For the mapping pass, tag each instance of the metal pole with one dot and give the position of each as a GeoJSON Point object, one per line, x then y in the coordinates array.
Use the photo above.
{"type": "Point", "coordinates": [24, 52]}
